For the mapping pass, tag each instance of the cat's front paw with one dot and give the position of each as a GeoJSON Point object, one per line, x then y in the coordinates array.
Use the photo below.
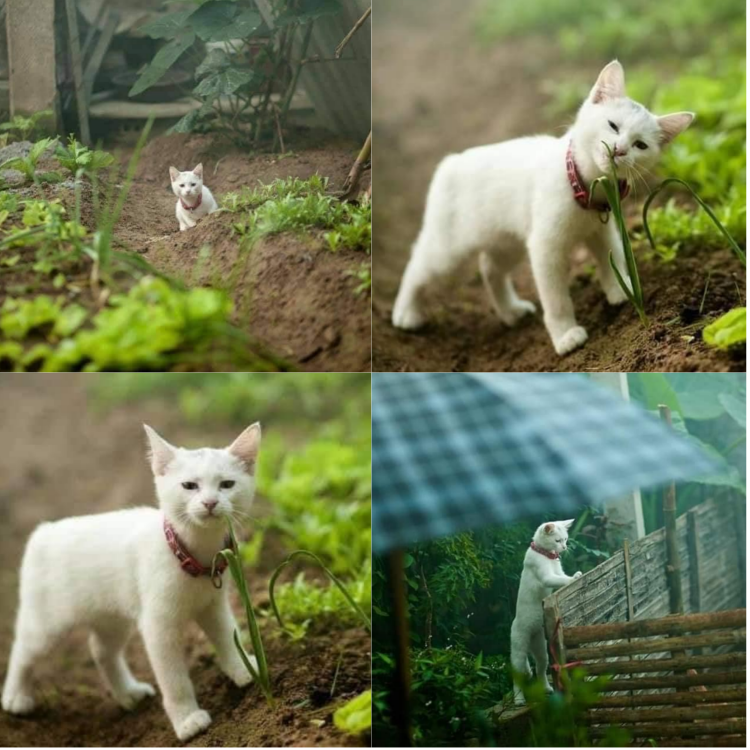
{"type": "Point", "coordinates": [407, 318]}
{"type": "Point", "coordinates": [615, 295]}
{"type": "Point", "coordinates": [197, 722]}
{"type": "Point", "coordinates": [577, 574]}
{"type": "Point", "coordinates": [19, 704]}
{"type": "Point", "coordinates": [511, 314]}
{"type": "Point", "coordinates": [134, 694]}
{"type": "Point", "coordinates": [570, 340]}
{"type": "Point", "coordinates": [240, 676]}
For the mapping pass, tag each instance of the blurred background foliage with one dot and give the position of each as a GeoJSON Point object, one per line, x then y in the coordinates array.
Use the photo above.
{"type": "Point", "coordinates": [688, 55]}
{"type": "Point", "coordinates": [313, 475]}
{"type": "Point", "coordinates": [462, 589]}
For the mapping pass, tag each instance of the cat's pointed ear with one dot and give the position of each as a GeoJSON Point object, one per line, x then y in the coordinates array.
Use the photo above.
{"type": "Point", "coordinates": [672, 125]}
{"type": "Point", "coordinates": [160, 451]}
{"type": "Point", "coordinates": [246, 447]}
{"type": "Point", "coordinates": [549, 528]}
{"type": "Point", "coordinates": [174, 173]}
{"type": "Point", "coordinates": [198, 171]}
{"type": "Point", "coordinates": [610, 84]}
{"type": "Point", "coordinates": [566, 524]}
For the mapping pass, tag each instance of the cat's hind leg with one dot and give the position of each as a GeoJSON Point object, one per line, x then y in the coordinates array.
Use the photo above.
{"type": "Point", "coordinates": [510, 308]}
{"type": "Point", "coordinates": [407, 310]}
{"type": "Point", "coordinates": [34, 638]}
{"type": "Point", "coordinates": [538, 645]}
{"type": "Point", "coordinates": [519, 660]}
{"type": "Point", "coordinates": [107, 643]}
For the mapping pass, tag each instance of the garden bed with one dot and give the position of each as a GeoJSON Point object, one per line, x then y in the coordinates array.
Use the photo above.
{"type": "Point", "coordinates": [75, 711]}
{"type": "Point", "coordinates": [297, 303]}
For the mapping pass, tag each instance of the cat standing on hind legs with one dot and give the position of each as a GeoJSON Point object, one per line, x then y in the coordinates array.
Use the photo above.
{"type": "Point", "coordinates": [530, 197]}
{"type": "Point", "coordinates": [144, 569]}
{"type": "Point", "coordinates": [542, 574]}
{"type": "Point", "coordinates": [194, 199]}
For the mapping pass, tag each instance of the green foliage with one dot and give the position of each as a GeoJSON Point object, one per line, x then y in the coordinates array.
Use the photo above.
{"type": "Point", "coordinates": [355, 716]}
{"type": "Point", "coordinates": [76, 157]}
{"type": "Point", "coordinates": [320, 597]}
{"type": "Point", "coordinates": [727, 331]}
{"type": "Point", "coordinates": [224, 73]}
{"type": "Point", "coordinates": [22, 127]}
{"type": "Point", "coordinates": [558, 718]}
{"type": "Point", "coordinates": [587, 28]}
{"type": "Point", "coordinates": [301, 206]}
{"type": "Point", "coordinates": [364, 275]}
{"type": "Point", "coordinates": [450, 687]}
{"type": "Point", "coordinates": [305, 602]}
{"type": "Point", "coordinates": [26, 165]}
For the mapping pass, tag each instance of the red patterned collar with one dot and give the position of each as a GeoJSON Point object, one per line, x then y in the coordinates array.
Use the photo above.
{"type": "Point", "coordinates": [545, 552]}
{"type": "Point", "coordinates": [192, 208]}
{"type": "Point", "coordinates": [580, 193]}
{"type": "Point", "coordinates": [188, 563]}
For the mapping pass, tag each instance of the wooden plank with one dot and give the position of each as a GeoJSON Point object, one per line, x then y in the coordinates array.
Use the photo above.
{"type": "Point", "coordinates": [690, 713]}
{"type": "Point", "coordinates": [663, 729]}
{"type": "Point", "coordinates": [678, 699]}
{"type": "Point", "coordinates": [628, 578]}
{"type": "Point", "coordinates": [737, 677]}
{"type": "Point", "coordinates": [636, 666]}
{"type": "Point", "coordinates": [673, 625]}
{"type": "Point", "coordinates": [695, 560]}
{"type": "Point", "coordinates": [658, 645]}
{"type": "Point", "coordinates": [554, 631]}
{"type": "Point", "coordinates": [730, 740]}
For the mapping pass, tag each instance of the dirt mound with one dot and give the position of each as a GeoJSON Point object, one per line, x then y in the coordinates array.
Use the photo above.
{"type": "Point", "coordinates": [56, 464]}
{"type": "Point", "coordinates": [290, 293]}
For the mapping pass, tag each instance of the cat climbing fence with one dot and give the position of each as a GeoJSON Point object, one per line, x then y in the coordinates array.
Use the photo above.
{"type": "Point", "coordinates": [675, 678]}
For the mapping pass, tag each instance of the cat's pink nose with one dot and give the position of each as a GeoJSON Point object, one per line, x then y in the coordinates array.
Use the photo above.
{"type": "Point", "coordinates": [618, 152]}
{"type": "Point", "coordinates": [210, 505]}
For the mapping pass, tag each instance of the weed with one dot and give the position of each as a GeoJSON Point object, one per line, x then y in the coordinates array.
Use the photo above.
{"type": "Point", "coordinates": [25, 126]}
{"type": "Point", "coordinates": [727, 331]}
{"type": "Point", "coordinates": [78, 159]}
{"type": "Point", "coordinates": [260, 675]}
{"type": "Point", "coordinates": [26, 165]}
{"type": "Point", "coordinates": [364, 275]}
{"type": "Point", "coordinates": [355, 716]}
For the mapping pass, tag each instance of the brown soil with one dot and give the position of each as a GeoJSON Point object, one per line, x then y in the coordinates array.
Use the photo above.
{"type": "Point", "coordinates": [63, 458]}
{"type": "Point", "coordinates": [291, 294]}
{"type": "Point", "coordinates": [474, 96]}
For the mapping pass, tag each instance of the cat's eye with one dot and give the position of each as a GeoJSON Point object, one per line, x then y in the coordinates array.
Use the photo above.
{"type": "Point", "coordinates": [641, 145]}
{"type": "Point", "coordinates": [226, 484]}
{"type": "Point", "coordinates": [613, 126]}
{"type": "Point", "coordinates": [182, 184]}
{"type": "Point", "coordinates": [192, 184]}
{"type": "Point", "coordinates": [190, 485]}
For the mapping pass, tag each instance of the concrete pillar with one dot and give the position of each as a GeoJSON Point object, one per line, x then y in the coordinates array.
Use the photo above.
{"type": "Point", "coordinates": [32, 52]}
{"type": "Point", "coordinates": [625, 514]}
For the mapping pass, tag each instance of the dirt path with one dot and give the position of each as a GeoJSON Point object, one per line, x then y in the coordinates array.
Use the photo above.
{"type": "Point", "coordinates": [64, 458]}
{"type": "Point", "coordinates": [291, 294]}
{"type": "Point", "coordinates": [435, 91]}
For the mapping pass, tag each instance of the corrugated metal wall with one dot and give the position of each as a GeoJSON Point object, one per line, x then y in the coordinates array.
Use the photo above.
{"type": "Point", "coordinates": [339, 89]}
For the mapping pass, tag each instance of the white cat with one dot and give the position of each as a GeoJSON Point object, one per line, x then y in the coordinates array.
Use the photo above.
{"type": "Point", "coordinates": [194, 199]}
{"type": "Point", "coordinates": [542, 574]}
{"type": "Point", "coordinates": [531, 195]}
{"type": "Point", "coordinates": [117, 571]}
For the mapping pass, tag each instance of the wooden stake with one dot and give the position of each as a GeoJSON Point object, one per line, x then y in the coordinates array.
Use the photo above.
{"type": "Point", "coordinates": [354, 30]}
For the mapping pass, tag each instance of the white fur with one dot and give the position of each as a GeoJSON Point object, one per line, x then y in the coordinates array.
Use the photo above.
{"type": "Point", "coordinates": [188, 186]}
{"type": "Point", "coordinates": [540, 577]}
{"type": "Point", "coordinates": [114, 572]}
{"type": "Point", "coordinates": [502, 201]}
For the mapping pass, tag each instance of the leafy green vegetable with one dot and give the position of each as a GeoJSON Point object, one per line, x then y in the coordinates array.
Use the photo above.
{"type": "Point", "coordinates": [729, 330]}
{"type": "Point", "coordinates": [355, 716]}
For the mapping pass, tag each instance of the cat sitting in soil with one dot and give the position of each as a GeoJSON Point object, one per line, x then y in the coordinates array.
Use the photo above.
{"type": "Point", "coordinates": [140, 568]}
{"type": "Point", "coordinates": [531, 196]}
{"type": "Point", "coordinates": [194, 199]}
{"type": "Point", "coordinates": [542, 574]}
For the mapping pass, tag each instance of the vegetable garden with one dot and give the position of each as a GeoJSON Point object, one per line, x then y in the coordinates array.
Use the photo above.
{"type": "Point", "coordinates": [313, 494]}
{"type": "Point", "coordinates": [524, 69]}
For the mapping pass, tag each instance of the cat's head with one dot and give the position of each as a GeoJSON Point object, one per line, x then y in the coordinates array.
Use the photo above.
{"type": "Point", "coordinates": [553, 535]}
{"type": "Point", "coordinates": [187, 184]}
{"type": "Point", "coordinates": [635, 135]}
{"type": "Point", "coordinates": [203, 487]}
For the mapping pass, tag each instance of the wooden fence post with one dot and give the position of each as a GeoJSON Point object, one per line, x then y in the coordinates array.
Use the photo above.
{"type": "Point", "coordinates": [693, 540]}
{"type": "Point", "coordinates": [670, 524]}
